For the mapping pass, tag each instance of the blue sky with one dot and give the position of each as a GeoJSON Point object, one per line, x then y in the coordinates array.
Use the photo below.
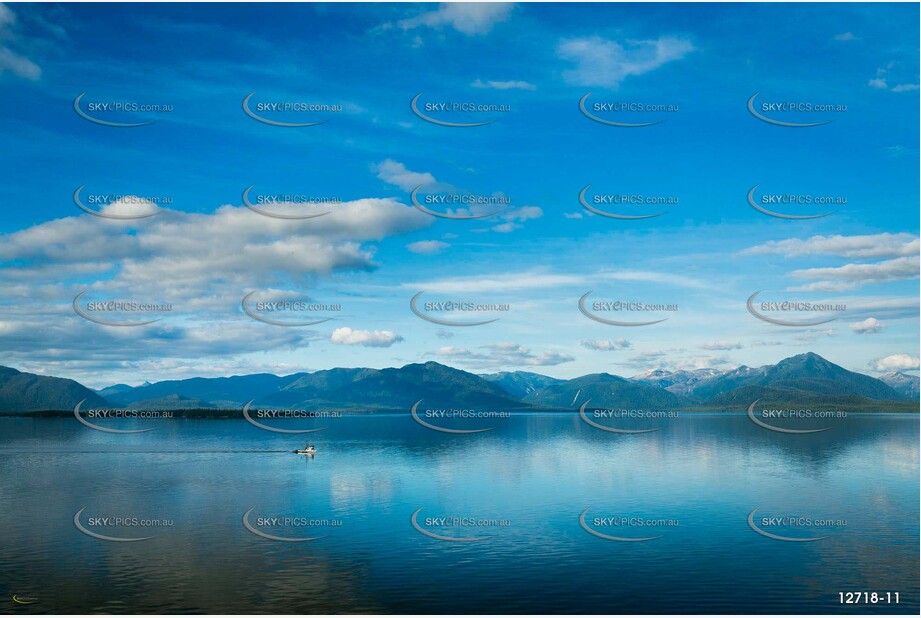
{"type": "Point", "coordinates": [374, 251]}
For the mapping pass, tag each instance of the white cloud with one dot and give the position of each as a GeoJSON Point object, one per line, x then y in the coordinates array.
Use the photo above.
{"type": "Point", "coordinates": [528, 280]}
{"type": "Point", "coordinates": [450, 351]}
{"type": "Point", "coordinates": [895, 362]}
{"type": "Point", "coordinates": [903, 248]}
{"type": "Point", "coordinates": [495, 283]}
{"type": "Point", "coordinates": [504, 354]}
{"type": "Point", "coordinates": [722, 345]}
{"type": "Point", "coordinates": [892, 307]}
{"type": "Point", "coordinates": [515, 217]}
{"type": "Point", "coordinates": [896, 151]}
{"type": "Point", "coordinates": [646, 276]}
{"type": "Point", "coordinates": [648, 356]}
{"type": "Point", "coordinates": [395, 173]}
{"type": "Point", "coordinates": [427, 247]}
{"type": "Point", "coordinates": [858, 274]}
{"type": "Point", "coordinates": [9, 60]}
{"type": "Point", "coordinates": [675, 359]}
{"type": "Point", "coordinates": [670, 360]}
{"type": "Point", "coordinates": [164, 255]}
{"type": "Point", "coordinates": [56, 338]}
{"type": "Point", "coordinates": [506, 85]}
{"type": "Point", "coordinates": [163, 259]}
{"type": "Point", "coordinates": [523, 214]}
{"type": "Point", "coordinates": [548, 359]}
{"type": "Point", "coordinates": [881, 82]}
{"type": "Point", "coordinates": [824, 286]}
{"type": "Point", "coordinates": [366, 338]}
{"type": "Point", "coordinates": [601, 62]}
{"type": "Point", "coordinates": [606, 345]}
{"type": "Point", "coordinates": [572, 215]}
{"type": "Point", "coordinates": [867, 327]}
{"type": "Point", "coordinates": [470, 18]}
{"type": "Point", "coordinates": [809, 336]}
{"type": "Point", "coordinates": [505, 228]}
{"type": "Point", "coordinates": [845, 36]}
{"type": "Point", "coordinates": [706, 362]}
{"type": "Point", "coordinates": [512, 219]}
{"type": "Point", "coordinates": [868, 246]}
{"type": "Point", "coordinates": [18, 65]}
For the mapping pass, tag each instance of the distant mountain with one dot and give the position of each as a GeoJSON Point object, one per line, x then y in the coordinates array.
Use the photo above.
{"type": "Point", "coordinates": [806, 379]}
{"type": "Point", "coordinates": [326, 380]}
{"type": "Point", "coordinates": [341, 388]}
{"type": "Point", "coordinates": [393, 389]}
{"type": "Point", "coordinates": [679, 382]}
{"type": "Point", "coordinates": [114, 390]}
{"type": "Point", "coordinates": [605, 390]}
{"type": "Point", "coordinates": [28, 392]}
{"type": "Point", "coordinates": [728, 381]}
{"type": "Point", "coordinates": [232, 391]}
{"type": "Point", "coordinates": [172, 402]}
{"type": "Point", "coordinates": [903, 383]}
{"type": "Point", "coordinates": [519, 384]}
{"type": "Point", "coordinates": [802, 379]}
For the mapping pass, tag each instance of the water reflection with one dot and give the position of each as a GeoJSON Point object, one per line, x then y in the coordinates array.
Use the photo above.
{"type": "Point", "coordinates": [539, 472]}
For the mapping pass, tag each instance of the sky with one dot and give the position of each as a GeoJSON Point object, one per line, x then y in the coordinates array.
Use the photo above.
{"type": "Point", "coordinates": [349, 73]}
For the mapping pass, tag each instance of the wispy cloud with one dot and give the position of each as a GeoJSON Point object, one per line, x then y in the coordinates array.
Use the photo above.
{"type": "Point", "coordinates": [10, 61]}
{"type": "Point", "coordinates": [606, 63]}
{"type": "Point", "coordinates": [470, 18]}
{"type": "Point", "coordinates": [395, 173]}
{"type": "Point", "coordinates": [506, 85]}
{"type": "Point", "coordinates": [869, 326]}
{"type": "Point", "coordinates": [506, 354]}
{"type": "Point", "coordinates": [495, 282]}
{"type": "Point", "coordinates": [512, 219]}
{"type": "Point", "coordinates": [887, 307]}
{"type": "Point", "coordinates": [883, 78]}
{"type": "Point", "coordinates": [722, 345]}
{"type": "Point", "coordinates": [862, 246]}
{"type": "Point", "coordinates": [646, 276]}
{"type": "Point", "coordinates": [852, 275]}
{"type": "Point", "coordinates": [675, 360]}
{"type": "Point", "coordinates": [366, 338]}
{"type": "Point", "coordinates": [427, 247]}
{"type": "Point", "coordinates": [605, 345]}
{"type": "Point", "coordinates": [811, 335]}
{"type": "Point", "coordinates": [532, 279]}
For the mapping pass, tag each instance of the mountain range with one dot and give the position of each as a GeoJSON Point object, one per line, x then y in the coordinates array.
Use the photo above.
{"type": "Point", "coordinates": [906, 384]}
{"type": "Point", "coordinates": [803, 380]}
{"type": "Point", "coordinates": [27, 392]}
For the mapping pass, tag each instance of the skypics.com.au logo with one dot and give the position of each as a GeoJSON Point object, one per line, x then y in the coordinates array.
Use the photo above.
{"type": "Point", "coordinates": [115, 113]}
{"type": "Point", "coordinates": [457, 114]}
{"type": "Point", "coordinates": [289, 112]}
{"type": "Point", "coordinates": [614, 113]}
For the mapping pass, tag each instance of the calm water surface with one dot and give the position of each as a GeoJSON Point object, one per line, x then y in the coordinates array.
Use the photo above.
{"type": "Point", "coordinates": [525, 484]}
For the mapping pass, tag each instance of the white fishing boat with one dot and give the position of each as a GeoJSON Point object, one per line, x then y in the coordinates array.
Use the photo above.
{"type": "Point", "coordinates": [310, 449]}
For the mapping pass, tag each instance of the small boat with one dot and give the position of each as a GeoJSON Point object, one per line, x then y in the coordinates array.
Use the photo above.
{"type": "Point", "coordinates": [310, 449]}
